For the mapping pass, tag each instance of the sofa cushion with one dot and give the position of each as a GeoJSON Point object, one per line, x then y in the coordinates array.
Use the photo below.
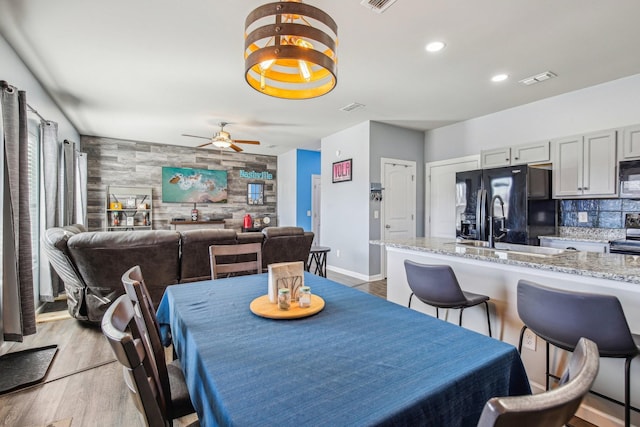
{"type": "Point", "coordinates": [194, 260]}
{"type": "Point", "coordinates": [103, 257]}
{"type": "Point", "coordinates": [282, 231]}
{"type": "Point", "coordinates": [285, 244]}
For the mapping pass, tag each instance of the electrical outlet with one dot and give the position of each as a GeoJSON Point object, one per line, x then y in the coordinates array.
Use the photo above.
{"type": "Point", "coordinates": [338, 253]}
{"type": "Point", "coordinates": [583, 217]}
{"type": "Point", "coordinates": [529, 340]}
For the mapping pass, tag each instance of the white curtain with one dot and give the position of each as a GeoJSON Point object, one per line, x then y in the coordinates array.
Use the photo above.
{"type": "Point", "coordinates": [49, 147]}
{"type": "Point", "coordinates": [63, 177]}
{"type": "Point", "coordinates": [80, 184]}
{"type": "Point", "coordinates": [17, 307]}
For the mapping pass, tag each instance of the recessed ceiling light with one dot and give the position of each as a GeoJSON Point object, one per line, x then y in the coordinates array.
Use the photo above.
{"type": "Point", "coordinates": [435, 46]}
{"type": "Point", "coordinates": [499, 77]}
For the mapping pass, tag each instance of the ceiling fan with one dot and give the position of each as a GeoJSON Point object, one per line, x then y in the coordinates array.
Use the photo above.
{"type": "Point", "coordinates": [222, 139]}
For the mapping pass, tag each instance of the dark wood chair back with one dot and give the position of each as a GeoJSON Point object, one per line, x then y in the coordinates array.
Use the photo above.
{"type": "Point", "coordinates": [120, 327]}
{"type": "Point", "coordinates": [252, 266]}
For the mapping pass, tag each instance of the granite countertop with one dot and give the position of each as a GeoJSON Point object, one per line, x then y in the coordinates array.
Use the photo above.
{"type": "Point", "coordinates": [624, 268]}
{"type": "Point", "coordinates": [588, 234]}
{"type": "Point", "coordinates": [593, 239]}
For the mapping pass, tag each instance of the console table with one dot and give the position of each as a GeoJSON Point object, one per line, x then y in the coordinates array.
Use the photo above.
{"type": "Point", "coordinates": [193, 225]}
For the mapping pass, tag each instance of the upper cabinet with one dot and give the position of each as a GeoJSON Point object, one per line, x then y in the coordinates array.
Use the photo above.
{"type": "Point", "coordinates": [585, 165]}
{"type": "Point", "coordinates": [630, 145]}
{"type": "Point", "coordinates": [537, 152]}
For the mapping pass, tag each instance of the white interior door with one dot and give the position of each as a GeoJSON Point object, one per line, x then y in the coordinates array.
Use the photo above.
{"type": "Point", "coordinates": [315, 208]}
{"type": "Point", "coordinates": [441, 194]}
{"type": "Point", "coordinates": [398, 202]}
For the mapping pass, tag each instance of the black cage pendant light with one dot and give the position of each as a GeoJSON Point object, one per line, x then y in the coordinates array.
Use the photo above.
{"type": "Point", "coordinates": [290, 50]}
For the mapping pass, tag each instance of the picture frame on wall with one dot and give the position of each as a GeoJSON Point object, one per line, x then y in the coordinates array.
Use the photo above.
{"type": "Point", "coordinates": [341, 171]}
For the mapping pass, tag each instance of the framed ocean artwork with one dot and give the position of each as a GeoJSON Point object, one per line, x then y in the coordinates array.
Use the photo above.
{"type": "Point", "coordinates": [186, 185]}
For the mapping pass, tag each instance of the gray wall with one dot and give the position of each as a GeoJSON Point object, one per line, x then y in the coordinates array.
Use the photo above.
{"type": "Point", "coordinates": [133, 163]}
{"type": "Point", "coordinates": [345, 205]}
{"type": "Point", "coordinates": [394, 143]}
{"type": "Point", "coordinates": [348, 222]}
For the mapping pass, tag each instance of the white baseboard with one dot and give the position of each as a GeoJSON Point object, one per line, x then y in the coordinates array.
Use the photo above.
{"type": "Point", "coordinates": [354, 274]}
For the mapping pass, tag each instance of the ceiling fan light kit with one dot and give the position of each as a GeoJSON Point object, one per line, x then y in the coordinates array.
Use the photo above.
{"type": "Point", "coordinates": [290, 50]}
{"type": "Point", "coordinates": [222, 139]}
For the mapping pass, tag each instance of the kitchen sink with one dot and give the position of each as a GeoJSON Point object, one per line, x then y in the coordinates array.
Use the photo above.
{"type": "Point", "coordinates": [473, 243]}
{"type": "Point", "coordinates": [539, 251]}
{"type": "Point", "coordinates": [530, 250]}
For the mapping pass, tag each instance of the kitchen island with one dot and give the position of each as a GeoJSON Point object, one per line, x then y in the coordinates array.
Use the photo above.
{"type": "Point", "coordinates": [496, 273]}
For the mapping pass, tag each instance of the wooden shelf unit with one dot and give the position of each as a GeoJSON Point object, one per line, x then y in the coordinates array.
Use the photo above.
{"type": "Point", "coordinates": [135, 209]}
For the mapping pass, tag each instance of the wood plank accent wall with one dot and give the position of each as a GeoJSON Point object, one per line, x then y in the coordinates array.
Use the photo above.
{"type": "Point", "coordinates": [132, 163]}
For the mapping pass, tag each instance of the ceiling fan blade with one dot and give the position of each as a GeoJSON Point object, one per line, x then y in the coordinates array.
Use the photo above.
{"type": "Point", "coordinates": [236, 148]}
{"type": "Point", "coordinates": [204, 145]}
{"type": "Point", "coordinates": [196, 136]}
{"type": "Point", "coordinates": [242, 141]}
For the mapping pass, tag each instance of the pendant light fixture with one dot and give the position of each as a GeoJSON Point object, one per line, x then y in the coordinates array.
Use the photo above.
{"type": "Point", "coordinates": [290, 50]}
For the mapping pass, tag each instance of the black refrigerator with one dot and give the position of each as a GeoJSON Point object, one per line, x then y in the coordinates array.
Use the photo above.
{"type": "Point", "coordinates": [529, 210]}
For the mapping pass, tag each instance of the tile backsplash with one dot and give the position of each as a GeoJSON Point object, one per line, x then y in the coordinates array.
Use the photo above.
{"type": "Point", "coordinates": [601, 213]}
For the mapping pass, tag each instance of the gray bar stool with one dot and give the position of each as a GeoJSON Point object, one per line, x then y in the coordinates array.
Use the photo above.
{"type": "Point", "coordinates": [437, 286]}
{"type": "Point", "coordinates": [562, 317]}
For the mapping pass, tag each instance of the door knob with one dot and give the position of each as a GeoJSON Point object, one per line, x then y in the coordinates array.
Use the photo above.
{"type": "Point", "coordinates": [387, 226]}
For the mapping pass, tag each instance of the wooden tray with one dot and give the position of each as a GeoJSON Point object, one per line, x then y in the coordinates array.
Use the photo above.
{"type": "Point", "coordinates": [262, 307]}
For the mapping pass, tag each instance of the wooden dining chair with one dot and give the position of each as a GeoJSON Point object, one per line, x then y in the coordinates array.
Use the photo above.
{"type": "Point", "coordinates": [127, 336]}
{"type": "Point", "coordinates": [552, 408]}
{"type": "Point", "coordinates": [169, 377]}
{"type": "Point", "coordinates": [247, 258]}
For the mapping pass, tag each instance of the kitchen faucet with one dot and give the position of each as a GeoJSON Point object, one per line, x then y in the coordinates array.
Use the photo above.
{"type": "Point", "coordinates": [492, 217]}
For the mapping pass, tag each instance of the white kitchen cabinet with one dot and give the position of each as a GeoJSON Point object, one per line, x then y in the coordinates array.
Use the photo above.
{"type": "Point", "coordinates": [579, 245]}
{"type": "Point", "coordinates": [537, 152]}
{"type": "Point", "coordinates": [585, 165]}
{"type": "Point", "coordinates": [630, 145]}
{"type": "Point", "coordinates": [495, 158]}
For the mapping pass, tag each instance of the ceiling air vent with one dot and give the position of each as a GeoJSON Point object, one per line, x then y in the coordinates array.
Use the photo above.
{"type": "Point", "coordinates": [538, 78]}
{"type": "Point", "coordinates": [353, 106]}
{"type": "Point", "coordinates": [377, 6]}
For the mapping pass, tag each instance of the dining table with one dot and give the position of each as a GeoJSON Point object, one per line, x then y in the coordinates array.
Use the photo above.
{"type": "Point", "coordinates": [360, 361]}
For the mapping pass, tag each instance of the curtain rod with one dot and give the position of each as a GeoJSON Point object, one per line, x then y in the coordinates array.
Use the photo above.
{"type": "Point", "coordinates": [4, 84]}
{"type": "Point", "coordinates": [34, 111]}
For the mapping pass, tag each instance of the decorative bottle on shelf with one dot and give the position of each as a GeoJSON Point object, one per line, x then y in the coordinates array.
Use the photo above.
{"type": "Point", "coordinates": [248, 222]}
{"type": "Point", "coordinates": [194, 213]}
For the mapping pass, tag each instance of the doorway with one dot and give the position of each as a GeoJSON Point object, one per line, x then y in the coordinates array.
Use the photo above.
{"type": "Point", "coordinates": [398, 203]}
{"type": "Point", "coordinates": [440, 194]}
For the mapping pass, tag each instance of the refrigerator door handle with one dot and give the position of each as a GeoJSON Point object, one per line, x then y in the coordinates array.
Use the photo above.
{"type": "Point", "coordinates": [481, 214]}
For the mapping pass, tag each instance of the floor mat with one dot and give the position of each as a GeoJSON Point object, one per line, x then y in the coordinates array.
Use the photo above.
{"type": "Point", "coordinates": [24, 368]}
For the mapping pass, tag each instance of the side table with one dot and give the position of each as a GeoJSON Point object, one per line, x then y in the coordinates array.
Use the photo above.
{"type": "Point", "coordinates": [318, 257]}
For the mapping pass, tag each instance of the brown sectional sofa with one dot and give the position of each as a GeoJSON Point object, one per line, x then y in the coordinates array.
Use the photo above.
{"type": "Point", "coordinates": [91, 264]}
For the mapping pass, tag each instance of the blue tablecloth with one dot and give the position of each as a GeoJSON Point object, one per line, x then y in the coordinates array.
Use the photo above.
{"type": "Point", "coordinates": [361, 361]}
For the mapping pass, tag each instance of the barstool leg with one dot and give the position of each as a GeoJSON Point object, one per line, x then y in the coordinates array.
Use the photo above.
{"type": "Point", "coordinates": [460, 320]}
{"type": "Point", "coordinates": [437, 313]}
{"type": "Point", "coordinates": [627, 392]}
{"type": "Point", "coordinates": [524, 328]}
{"type": "Point", "coordinates": [410, 296]}
{"type": "Point", "coordinates": [486, 304]}
{"type": "Point", "coordinates": [547, 370]}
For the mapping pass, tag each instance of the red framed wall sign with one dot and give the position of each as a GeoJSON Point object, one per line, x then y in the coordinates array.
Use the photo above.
{"type": "Point", "coordinates": [341, 171]}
